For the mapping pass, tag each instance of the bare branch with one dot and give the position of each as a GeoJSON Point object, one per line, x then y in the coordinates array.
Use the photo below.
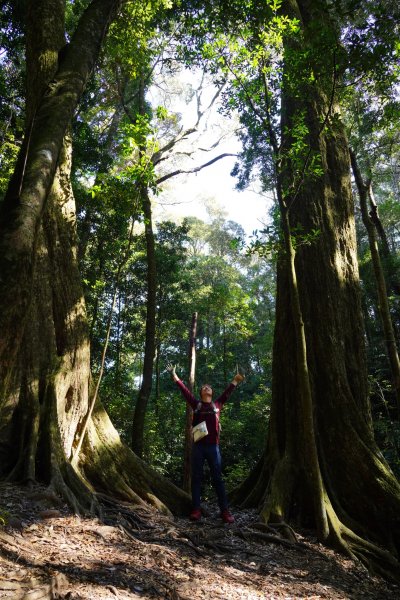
{"type": "Point", "coordinates": [198, 98]}
{"type": "Point", "coordinates": [200, 114]}
{"type": "Point", "coordinates": [217, 143]}
{"type": "Point", "coordinates": [195, 169]}
{"type": "Point", "coordinates": [157, 157]}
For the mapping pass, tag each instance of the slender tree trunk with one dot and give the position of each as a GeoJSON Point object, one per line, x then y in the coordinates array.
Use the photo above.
{"type": "Point", "coordinates": [157, 386]}
{"type": "Point", "coordinates": [390, 260]}
{"type": "Point", "coordinates": [375, 218]}
{"type": "Point", "coordinates": [118, 344]}
{"type": "Point", "coordinates": [187, 472]}
{"type": "Point", "coordinates": [95, 307]}
{"type": "Point", "coordinates": [151, 308]}
{"type": "Point", "coordinates": [91, 214]}
{"type": "Point", "coordinates": [383, 303]}
{"type": "Point", "coordinates": [224, 352]}
{"type": "Point", "coordinates": [150, 344]}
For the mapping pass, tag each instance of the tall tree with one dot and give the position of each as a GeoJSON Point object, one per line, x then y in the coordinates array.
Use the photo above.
{"type": "Point", "coordinates": [321, 466]}
{"type": "Point", "coordinates": [44, 350]}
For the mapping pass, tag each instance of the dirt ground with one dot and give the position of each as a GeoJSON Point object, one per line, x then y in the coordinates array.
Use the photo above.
{"type": "Point", "coordinates": [47, 553]}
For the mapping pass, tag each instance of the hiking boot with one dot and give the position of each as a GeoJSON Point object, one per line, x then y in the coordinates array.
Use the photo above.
{"type": "Point", "coordinates": [195, 515]}
{"type": "Point", "coordinates": [227, 517]}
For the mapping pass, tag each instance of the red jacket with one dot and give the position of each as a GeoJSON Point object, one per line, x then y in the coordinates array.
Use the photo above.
{"type": "Point", "coordinates": [206, 412]}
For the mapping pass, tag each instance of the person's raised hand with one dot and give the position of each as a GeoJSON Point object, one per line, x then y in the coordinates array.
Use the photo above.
{"type": "Point", "coordinates": [238, 379]}
{"type": "Point", "coordinates": [172, 369]}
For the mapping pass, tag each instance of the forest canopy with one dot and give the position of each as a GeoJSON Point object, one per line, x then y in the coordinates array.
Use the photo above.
{"type": "Point", "coordinates": [98, 127]}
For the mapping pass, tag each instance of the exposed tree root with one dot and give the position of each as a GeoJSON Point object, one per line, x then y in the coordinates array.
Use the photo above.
{"type": "Point", "coordinates": [112, 506]}
{"type": "Point", "coordinates": [113, 469]}
{"type": "Point", "coordinates": [250, 535]}
{"type": "Point", "coordinates": [376, 559]}
{"type": "Point", "coordinates": [279, 498]}
{"type": "Point", "coordinates": [105, 466]}
{"type": "Point", "coordinates": [107, 469]}
{"type": "Point", "coordinates": [282, 528]}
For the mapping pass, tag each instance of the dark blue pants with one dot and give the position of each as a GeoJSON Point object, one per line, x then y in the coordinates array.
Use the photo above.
{"type": "Point", "coordinates": [210, 453]}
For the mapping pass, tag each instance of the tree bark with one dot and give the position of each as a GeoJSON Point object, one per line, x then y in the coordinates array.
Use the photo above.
{"type": "Point", "coordinates": [158, 380]}
{"type": "Point", "coordinates": [44, 40]}
{"type": "Point", "coordinates": [44, 348]}
{"type": "Point", "coordinates": [29, 187]}
{"type": "Point", "coordinates": [345, 489]}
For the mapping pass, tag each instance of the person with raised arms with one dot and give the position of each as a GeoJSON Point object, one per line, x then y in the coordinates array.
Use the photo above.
{"type": "Point", "coordinates": [206, 430]}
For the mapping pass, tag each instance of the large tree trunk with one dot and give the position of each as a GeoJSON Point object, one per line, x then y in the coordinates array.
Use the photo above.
{"type": "Point", "coordinates": [353, 499]}
{"type": "Point", "coordinates": [29, 187]}
{"type": "Point", "coordinates": [44, 348]}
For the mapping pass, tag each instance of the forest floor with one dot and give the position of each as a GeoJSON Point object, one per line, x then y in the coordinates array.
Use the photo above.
{"type": "Point", "coordinates": [46, 552]}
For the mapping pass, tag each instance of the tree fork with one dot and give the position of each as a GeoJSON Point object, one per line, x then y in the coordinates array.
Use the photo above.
{"type": "Point", "coordinates": [20, 216]}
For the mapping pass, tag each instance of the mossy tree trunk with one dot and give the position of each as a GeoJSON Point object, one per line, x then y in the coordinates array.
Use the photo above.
{"type": "Point", "coordinates": [321, 467]}
{"type": "Point", "coordinates": [44, 347]}
{"type": "Point", "coordinates": [29, 187]}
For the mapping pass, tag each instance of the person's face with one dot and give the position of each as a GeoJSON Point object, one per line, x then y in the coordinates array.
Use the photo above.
{"type": "Point", "coordinates": [206, 393]}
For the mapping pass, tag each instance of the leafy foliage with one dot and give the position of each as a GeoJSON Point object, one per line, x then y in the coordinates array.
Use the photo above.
{"type": "Point", "coordinates": [256, 50]}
